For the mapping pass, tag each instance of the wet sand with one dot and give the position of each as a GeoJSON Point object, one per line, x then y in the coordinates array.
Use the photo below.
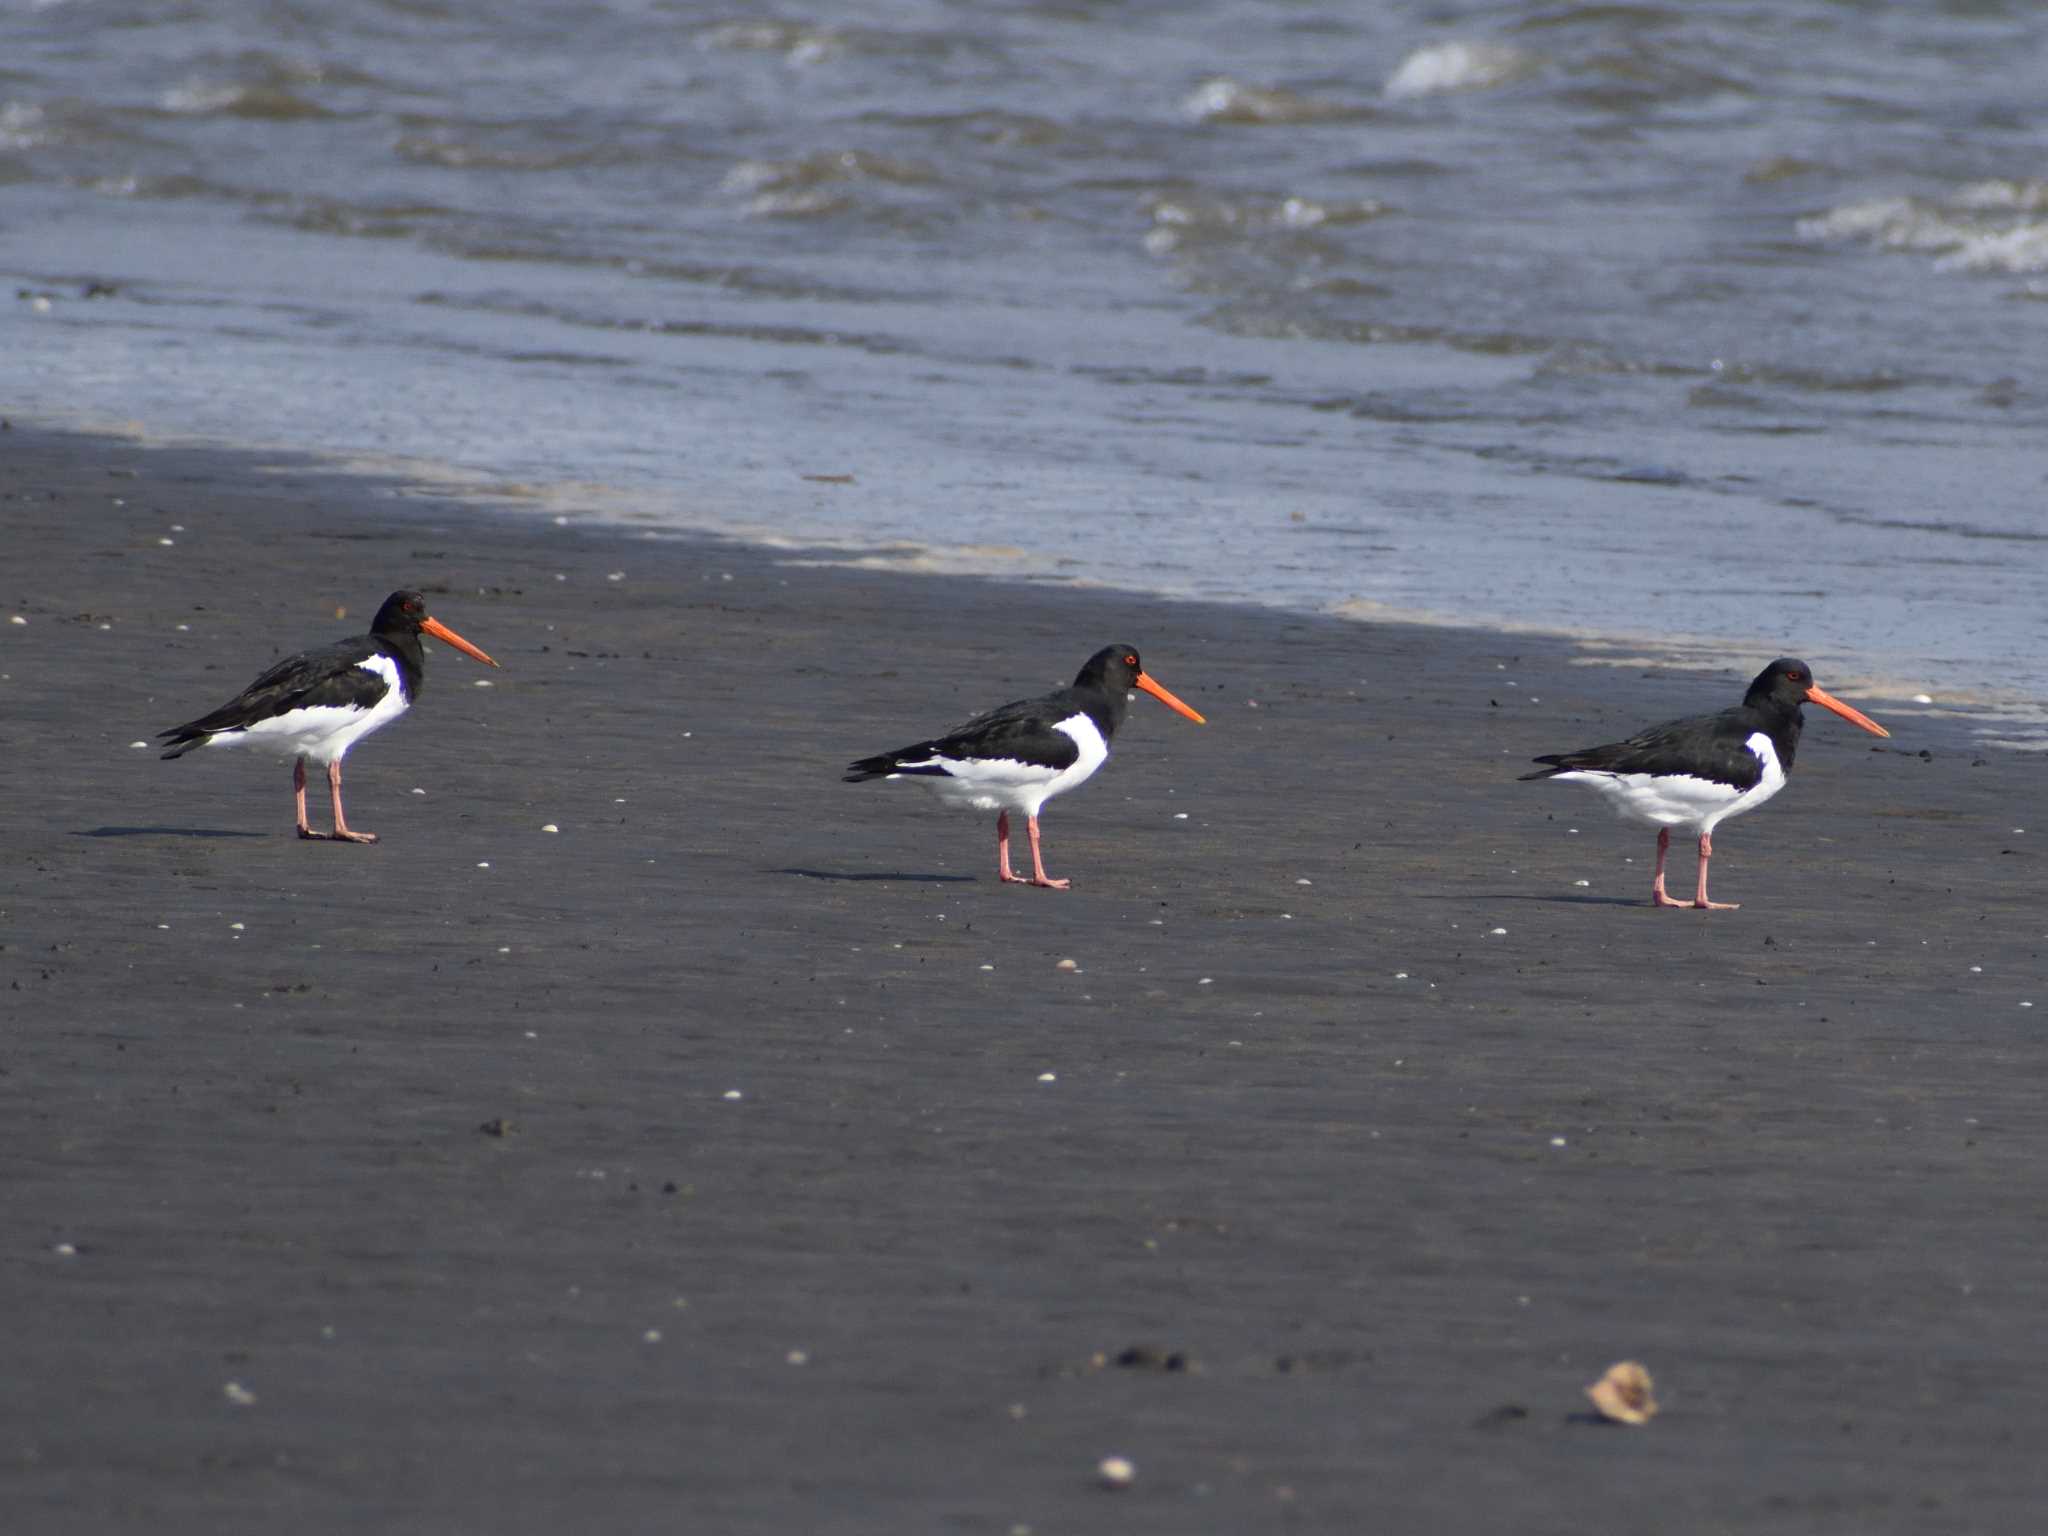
{"type": "Point", "coordinates": [419, 1201]}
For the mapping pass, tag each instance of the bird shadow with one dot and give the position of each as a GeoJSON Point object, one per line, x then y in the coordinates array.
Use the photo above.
{"type": "Point", "coordinates": [165, 832]}
{"type": "Point", "coordinates": [1555, 901]}
{"type": "Point", "coordinates": [834, 874]}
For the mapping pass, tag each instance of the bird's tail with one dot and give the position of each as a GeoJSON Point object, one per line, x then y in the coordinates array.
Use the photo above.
{"type": "Point", "coordinates": [866, 768]}
{"type": "Point", "coordinates": [181, 739]}
{"type": "Point", "coordinates": [916, 761]}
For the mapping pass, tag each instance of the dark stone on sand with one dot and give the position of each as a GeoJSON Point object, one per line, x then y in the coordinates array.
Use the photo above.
{"type": "Point", "coordinates": [1502, 1417]}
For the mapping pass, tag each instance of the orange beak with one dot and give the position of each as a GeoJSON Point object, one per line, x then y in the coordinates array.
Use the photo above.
{"type": "Point", "coordinates": [447, 636]}
{"type": "Point", "coordinates": [1814, 695]}
{"type": "Point", "coordinates": [1168, 699]}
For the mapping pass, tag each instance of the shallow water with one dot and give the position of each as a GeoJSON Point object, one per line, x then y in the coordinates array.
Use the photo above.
{"type": "Point", "coordinates": [1634, 321]}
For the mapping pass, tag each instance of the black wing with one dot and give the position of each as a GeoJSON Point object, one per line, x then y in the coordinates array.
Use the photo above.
{"type": "Point", "coordinates": [1020, 732]}
{"type": "Point", "coordinates": [1705, 746]}
{"type": "Point", "coordinates": [331, 677]}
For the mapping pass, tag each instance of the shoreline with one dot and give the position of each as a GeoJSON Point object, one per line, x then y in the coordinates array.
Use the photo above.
{"type": "Point", "coordinates": [1993, 720]}
{"type": "Point", "coordinates": [1361, 1106]}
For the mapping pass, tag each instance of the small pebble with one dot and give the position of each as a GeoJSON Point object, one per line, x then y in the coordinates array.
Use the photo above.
{"type": "Point", "coordinates": [1923, 698]}
{"type": "Point", "coordinates": [1496, 931]}
{"type": "Point", "coordinates": [1304, 882]}
{"type": "Point", "coordinates": [1115, 1472]}
{"type": "Point", "coordinates": [733, 1094]}
{"type": "Point", "coordinates": [483, 864]}
{"type": "Point", "coordinates": [17, 619]}
{"type": "Point", "coordinates": [550, 827]}
{"type": "Point", "coordinates": [238, 1394]}
{"type": "Point", "coordinates": [1205, 981]}
{"type": "Point", "coordinates": [1582, 882]}
{"type": "Point", "coordinates": [652, 1336]}
{"type": "Point", "coordinates": [1067, 965]}
{"type": "Point", "coordinates": [483, 682]}
{"type": "Point", "coordinates": [65, 1250]}
{"type": "Point", "coordinates": [988, 967]}
{"type": "Point", "coordinates": [1180, 815]}
{"type": "Point", "coordinates": [615, 576]}
{"type": "Point", "coordinates": [1048, 1077]}
{"type": "Point", "coordinates": [138, 744]}
{"type": "Point", "coordinates": [419, 791]}
{"type": "Point", "coordinates": [237, 926]}
{"type": "Point", "coordinates": [1557, 1141]}
{"type": "Point", "coordinates": [797, 1357]}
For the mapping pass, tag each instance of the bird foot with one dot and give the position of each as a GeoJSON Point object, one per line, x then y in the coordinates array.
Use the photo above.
{"type": "Point", "coordinates": [1043, 881]}
{"type": "Point", "coordinates": [342, 835]}
{"type": "Point", "coordinates": [1659, 899]}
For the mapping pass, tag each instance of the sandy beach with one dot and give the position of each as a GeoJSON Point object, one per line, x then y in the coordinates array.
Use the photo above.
{"type": "Point", "coordinates": [740, 1158]}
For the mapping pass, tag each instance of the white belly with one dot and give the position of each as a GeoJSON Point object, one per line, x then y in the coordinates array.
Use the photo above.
{"type": "Point", "coordinates": [1680, 800]}
{"type": "Point", "coordinates": [1005, 784]}
{"type": "Point", "coordinates": [322, 734]}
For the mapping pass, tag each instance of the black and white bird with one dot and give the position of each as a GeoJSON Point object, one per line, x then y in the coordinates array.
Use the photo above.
{"type": "Point", "coordinates": [1699, 771]}
{"type": "Point", "coordinates": [318, 704]}
{"type": "Point", "coordinates": [1019, 756]}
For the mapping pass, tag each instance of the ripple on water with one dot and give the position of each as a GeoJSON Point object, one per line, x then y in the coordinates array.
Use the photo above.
{"type": "Point", "coordinates": [1181, 220]}
{"type": "Point", "coordinates": [1223, 100]}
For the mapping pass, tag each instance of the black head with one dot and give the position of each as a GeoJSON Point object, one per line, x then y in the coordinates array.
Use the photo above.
{"type": "Point", "coordinates": [1114, 668]}
{"type": "Point", "coordinates": [1788, 683]}
{"type": "Point", "coordinates": [404, 617]}
{"type": "Point", "coordinates": [1781, 686]}
{"type": "Point", "coordinates": [403, 613]}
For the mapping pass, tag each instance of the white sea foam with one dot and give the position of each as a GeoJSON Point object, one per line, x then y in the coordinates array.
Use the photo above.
{"type": "Point", "coordinates": [1457, 66]}
{"type": "Point", "coordinates": [1984, 226]}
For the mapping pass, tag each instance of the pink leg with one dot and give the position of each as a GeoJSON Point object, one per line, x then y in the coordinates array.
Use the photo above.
{"type": "Point", "coordinates": [1700, 900]}
{"type": "Point", "coordinates": [299, 795]}
{"type": "Point", "coordinates": [1038, 874]}
{"type": "Point", "coordinates": [1658, 896]}
{"type": "Point", "coordinates": [341, 831]}
{"type": "Point", "coordinates": [1003, 851]}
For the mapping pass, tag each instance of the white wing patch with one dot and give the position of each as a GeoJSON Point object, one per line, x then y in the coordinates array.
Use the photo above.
{"type": "Point", "coordinates": [321, 734]}
{"type": "Point", "coordinates": [1682, 799]}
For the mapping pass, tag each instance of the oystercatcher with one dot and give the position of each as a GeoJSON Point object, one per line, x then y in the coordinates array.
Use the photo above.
{"type": "Point", "coordinates": [1699, 771]}
{"type": "Point", "coordinates": [320, 703]}
{"type": "Point", "coordinates": [1021, 755]}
